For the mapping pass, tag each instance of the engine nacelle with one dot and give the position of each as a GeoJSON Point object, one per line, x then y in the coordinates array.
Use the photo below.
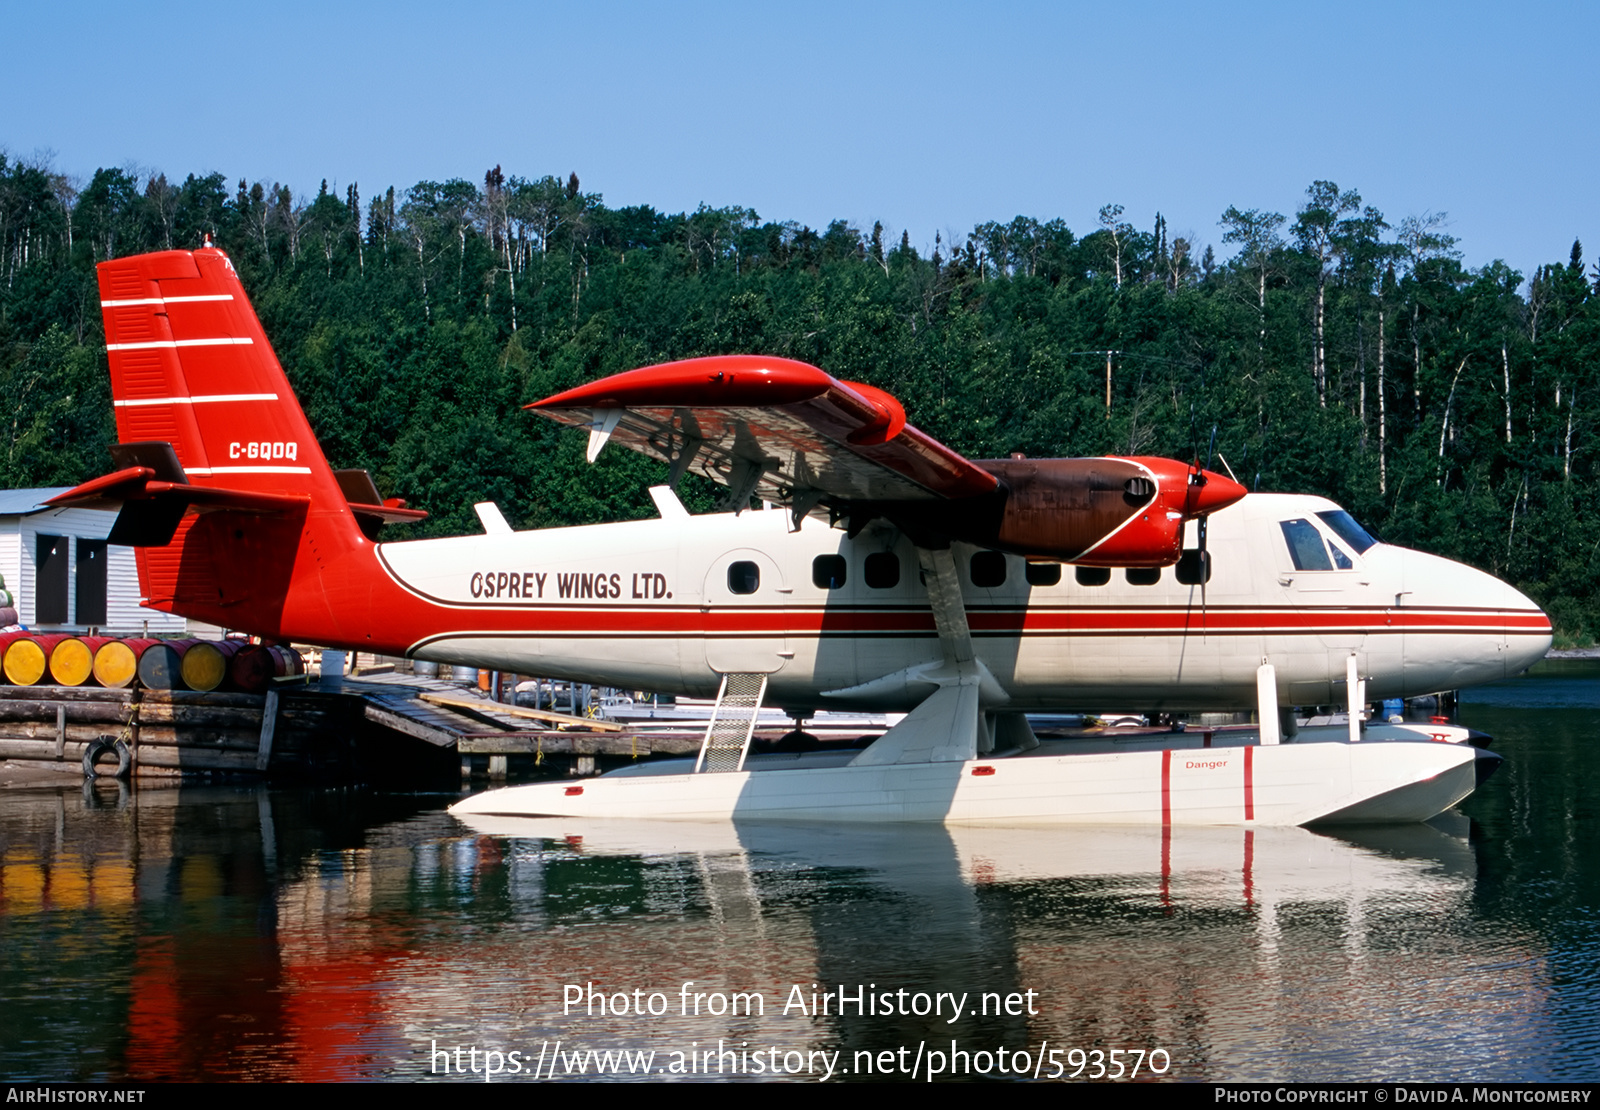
{"type": "Point", "coordinates": [1103, 512]}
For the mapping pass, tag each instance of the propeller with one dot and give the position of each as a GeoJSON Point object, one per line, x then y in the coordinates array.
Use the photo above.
{"type": "Point", "coordinates": [1194, 567]}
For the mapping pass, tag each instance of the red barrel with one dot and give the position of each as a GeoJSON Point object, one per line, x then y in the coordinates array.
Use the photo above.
{"type": "Point", "coordinates": [253, 668]}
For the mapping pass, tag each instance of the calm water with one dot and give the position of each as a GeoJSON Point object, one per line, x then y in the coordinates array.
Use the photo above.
{"type": "Point", "coordinates": [231, 933]}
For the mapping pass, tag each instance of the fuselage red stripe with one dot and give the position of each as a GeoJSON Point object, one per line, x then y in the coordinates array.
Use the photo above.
{"type": "Point", "coordinates": [600, 621]}
{"type": "Point", "coordinates": [1249, 784]}
{"type": "Point", "coordinates": [1166, 786]}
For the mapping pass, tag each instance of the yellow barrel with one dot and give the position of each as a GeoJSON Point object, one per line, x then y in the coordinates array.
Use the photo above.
{"type": "Point", "coordinates": [116, 664]}
{"type": "Point", "coordinates": [6, 640]}
{"type": "Point", "coordinates": [27, 659]}
{"type": "Point", "coordinates": [72, 660]}
{"type": "Point", "coordinates": [205, 666]}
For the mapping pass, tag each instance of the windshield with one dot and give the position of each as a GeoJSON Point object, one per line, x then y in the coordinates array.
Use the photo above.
{"type": "Point", "coordinates": [1345, 527]}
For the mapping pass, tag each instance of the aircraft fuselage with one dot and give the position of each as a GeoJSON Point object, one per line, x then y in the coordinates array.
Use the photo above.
{"type": "Point", "coordinates": [670, 604]}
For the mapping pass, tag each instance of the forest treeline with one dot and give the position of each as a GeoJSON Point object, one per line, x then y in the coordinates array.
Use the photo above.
{"type": "Point", "coordinates": [1335, 352]}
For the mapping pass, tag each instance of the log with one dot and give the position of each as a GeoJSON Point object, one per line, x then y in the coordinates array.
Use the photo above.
{"type": "Point", "coordinates": [76, 711]}
{"type": "Point", "coordinates": [202, 697]}
{"type": "Point", "coordinates": [207, 739]}
{"type": "Point", "coordinates": [63, 693]}
{"type": "Point", "coordinates": [47, 730]}
{"type": "Point", "coordinates": [199, 716]}
{"type": "Point", "coordinates": [45, 750]}
{"type": "Point", "coordinates": [197, 759]}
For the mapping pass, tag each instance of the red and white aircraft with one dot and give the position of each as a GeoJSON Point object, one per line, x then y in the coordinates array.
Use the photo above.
{"type": "Point", "coordinates": [897, 575]}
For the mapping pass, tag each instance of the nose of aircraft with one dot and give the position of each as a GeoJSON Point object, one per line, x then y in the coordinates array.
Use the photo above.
{"type": "Point", "coordinates": [1464, 626]}
{"type": "Point", "coordinates": [1528, 632]}
{"type": "Point", "coordinates": [1210, 491]}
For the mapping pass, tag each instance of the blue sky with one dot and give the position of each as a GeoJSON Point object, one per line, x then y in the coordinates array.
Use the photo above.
{"type": "Point", "coordinates": [929, 117]}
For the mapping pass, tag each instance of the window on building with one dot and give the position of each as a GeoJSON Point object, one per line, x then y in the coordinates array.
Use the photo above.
{"type": "Point", "coordinates": [50, 580]}
{"type": "Point", "coordinates": [90, 586]}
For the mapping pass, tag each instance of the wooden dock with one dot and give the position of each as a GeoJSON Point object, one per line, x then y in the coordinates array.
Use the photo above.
{"type": "Point", "coordinates": [486, 734]}
{"type": "Point", "coordinates": [353, 730]}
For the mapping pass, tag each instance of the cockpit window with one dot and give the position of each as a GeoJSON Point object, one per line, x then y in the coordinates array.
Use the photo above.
{"type": "Point", "coordinates": [1345, 527]}
{"type": "Point", "coordinates": [1340, 559]}
{"type": "Point", "coordinates": [1305, 545]}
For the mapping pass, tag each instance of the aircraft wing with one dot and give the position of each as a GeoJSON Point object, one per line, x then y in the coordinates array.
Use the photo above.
{"type": "Point", "coordinates": [799, 437]}
{"type": "Point", "coordinates": [770, 427]}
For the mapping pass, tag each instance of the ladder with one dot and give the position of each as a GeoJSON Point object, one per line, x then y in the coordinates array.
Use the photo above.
{"type": "Point", "coordinates": [733, 720]}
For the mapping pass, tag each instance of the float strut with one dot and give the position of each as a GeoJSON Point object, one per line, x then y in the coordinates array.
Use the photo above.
{"type": "Point", "coordinates": [1267, 703]}
{"type": "Point", "coordinates": [1352, 687]}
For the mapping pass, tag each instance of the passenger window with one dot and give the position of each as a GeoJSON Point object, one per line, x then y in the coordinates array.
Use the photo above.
{"type": "Point", "coordinates": [1143, 576]}
{"type": "Point", "coordinates": [827, 572]}
{"type": "Point", "coordinates": [988, 570]}
{"type": "Point", "coordinates": [1092, 576]}
{"type": "Point", "coordinates": [1305, 545]}
{"type": "Point", "coordinates": [744, 577]}
{"type": "Point", "coordinates": [883, 570]}
{"type": "Point", "coordinates": [1043, 574]}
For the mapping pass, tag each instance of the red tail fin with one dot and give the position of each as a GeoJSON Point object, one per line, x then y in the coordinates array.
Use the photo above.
{"type": "Point", "coordinates": [218, 457]}
{"type": "Point", "coordinates": [190, 366]}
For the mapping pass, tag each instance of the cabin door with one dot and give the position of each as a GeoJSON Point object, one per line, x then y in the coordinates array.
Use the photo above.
{"type": "Point", "coordinates": [745, 614]}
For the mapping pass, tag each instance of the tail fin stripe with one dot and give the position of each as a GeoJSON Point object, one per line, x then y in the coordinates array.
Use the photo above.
{"type": "Point", "coordinates": [247, 470]}
{"type": "Point", "coordinates": [166, 300]}
{"type": "Point", "coordinates": [201, 400]}
{"type": "Point", "coordinates": [173, 343]}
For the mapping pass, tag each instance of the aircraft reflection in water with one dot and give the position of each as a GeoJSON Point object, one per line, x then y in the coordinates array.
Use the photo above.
{"type": "Point", "coordinates": [214, 933]}
{"type": "Point", "coordinates": [942, 592]}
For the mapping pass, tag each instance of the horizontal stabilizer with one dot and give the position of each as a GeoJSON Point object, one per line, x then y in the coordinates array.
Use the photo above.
{"type": "Point", "coordinates": [152, 507]}
{"type": "Point", "coordinates": [108, 491]}
{"type": "Point", "coordinates": [372, 509]}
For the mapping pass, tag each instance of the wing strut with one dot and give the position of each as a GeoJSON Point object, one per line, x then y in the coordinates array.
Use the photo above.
{"type": "Point", "coordinates": [956, 722]}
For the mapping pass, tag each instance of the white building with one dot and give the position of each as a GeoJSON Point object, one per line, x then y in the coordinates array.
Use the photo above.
{"type": "Point", "coordinates": [62, 574]}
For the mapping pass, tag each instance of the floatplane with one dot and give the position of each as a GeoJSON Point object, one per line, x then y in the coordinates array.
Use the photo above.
{"type": "Point", "coordinates": [893, 575]}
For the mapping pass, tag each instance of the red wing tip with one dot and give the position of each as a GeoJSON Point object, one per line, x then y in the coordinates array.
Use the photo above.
{"type": "Point", "coordinates": [97, 486]}
{"type": "Point", "coordinates": [716, 381]}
